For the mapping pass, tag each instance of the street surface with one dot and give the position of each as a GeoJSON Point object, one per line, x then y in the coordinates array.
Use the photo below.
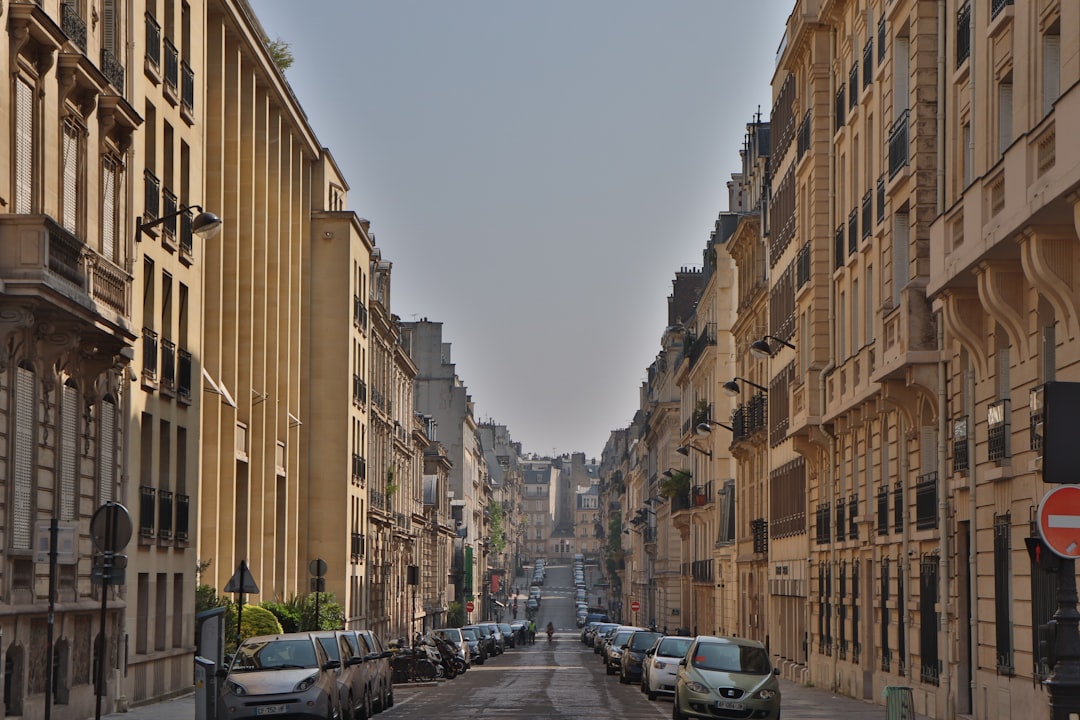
{"type": "Point", "coordinates": [564, 679]}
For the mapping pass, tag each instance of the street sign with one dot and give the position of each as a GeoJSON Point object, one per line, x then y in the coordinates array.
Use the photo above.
{"type": "Point", "coordinates": [469, 606]}
{"type": "Point", "coordinates": [65, 543]}
{"type": "Point", "coordinates": [317, 567]}
{"type": "Point", "coordinates": [635, 606]}
{"type": "Point", "coordinates": [242, 581]}
{"type": "Point", "coordinates": [110, 527]}
{"type": "Point", "coordinates": [1059, 521]}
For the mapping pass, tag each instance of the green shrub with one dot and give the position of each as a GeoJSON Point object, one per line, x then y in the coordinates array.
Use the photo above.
{"type": "Point", "coordinates": [258, 621]}
{"type": "Point", "coordinates": [288, 615]}
{"type": "Point", "coordinates": [455, 614]}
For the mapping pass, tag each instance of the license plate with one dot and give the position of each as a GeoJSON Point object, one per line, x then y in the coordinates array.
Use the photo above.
{"type": "Point", "coordinates": [725, 705]}
{"type": "Point", "coordinates": [270, 710]}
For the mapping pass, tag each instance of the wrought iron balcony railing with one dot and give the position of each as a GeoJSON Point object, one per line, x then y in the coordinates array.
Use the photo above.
{"type": "Point", "coordinates": [898, 144]}
{"type": "Point", "coordinates": [926, 491]}
{"type": "Point", "coordinates": [183, 517]}
{"type": "Point", "coordinates": [165, 515]}
{"type": "Point", "coordinates": [153, 41]}
{"type": "Point", "coordinates": [74, 25]}
{"type": "Point", "coordinates": [183, 374]}
{"type": "Point", "coordinates": [112, 69]}
{"type": "Point", "coordinates": [147, 510]}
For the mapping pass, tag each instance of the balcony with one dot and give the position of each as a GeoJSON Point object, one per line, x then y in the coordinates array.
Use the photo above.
{"type": "Point", "coordinates": [187, 239]}
{"type": "Point", "coordinates": [853, 84]}
{"type": "Point", "coordinates": [172, 71]}
{"type": "Point", "coordinates": [360, 313]}
{"type": "Point", "coordinates": [701, 571]}
{"type": "Point", "coordinates": [804, 135]}
{"type": "Point", "coordinates": [147, 510]}
{"type": "Point", "coordinates": [853, 514]}
{"type": "Point", "coordinates": [822, 524]}
{"type": "Point", "coordinates": [907, 336]}
{"type": "Point", "coordinates": [898, 507]}
{"type": "Point", "coordinates": [840, 109]}
{"type": "Point", "coordinates": [183, 509]}
{"type": "Point", "coordinates": [183, 375]}
{"type": "Point", "coordinates": [898, 144]}
{"type": "Point", "coordinates": [151, 197]}
{"type": "Point", "coordinates": [961, 461]}
{"type": "Point", "coordinates": [998, 429]}
{"type": "Point", "coordinates": [150, 355]}
{"type": "Point", "coordinates": [926, 491]}
{"type": "Point", "coordinates": [359, 469]}
{"type": "Point", "coordinates": [880, 199]}
{"type": "Point", "coordinates": [187, 92]}
{"type": "Point", "coordinates": [168, 228]}
{"type": "Point", "coordinates": [39, 258]}
{"type": "Point", "coordinates": [802, 266]}
{"type": "Point", "coordinates": [168, 365]}
{"type": "Point", "coordinates": [648, 535]}
{"type": "Point", "coordinates": [359, 390]}
{"type": "Point", "coordinates": [963, 34]}
{"type": "Point", "coordinates": [996, 6]}
{"type": "Point", "coordinates": [838, 247]}
{"type": "Point", "coordinates": [695, 345]}
{"type": "Point", "coordinates": [357, 546]}
{"type": "Point", "coordinates": [841, 520]}
{"type": "Point", "coordinates": [113, 70]}
{"type": "Point", "coordinates": [759, 530]}
{"type": "Point", "coordinates": [153, 44]}
{"type": "Point", "coordinates": [165, 515]}
{"type": "Point", "coordinates": [853, 231]}
{"type": "Point", "coordinates": [73, 24]}
{"type": "Point", "coordinates": [868, 63]}
{"type": "Point", "coordinates": [867, 214]}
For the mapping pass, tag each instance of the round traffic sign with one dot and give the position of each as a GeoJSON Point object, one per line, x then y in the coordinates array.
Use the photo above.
{"type": "Point", "coordinates": [1059, 520]}
{"type": "Point", "coordinates": [110, 527]}
{"type": "Point", "coordinates": [469, 607]}
{"type": "Point", "coordinates": [317, 567]}
{"type": "Point", "coordinates": [635, 606]}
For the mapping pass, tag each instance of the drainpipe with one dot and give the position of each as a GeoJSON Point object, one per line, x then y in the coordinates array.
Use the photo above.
{"type": "Point", "coordinates": [903, 468]}
{"type": "Point", "coordinates": [944, 589]}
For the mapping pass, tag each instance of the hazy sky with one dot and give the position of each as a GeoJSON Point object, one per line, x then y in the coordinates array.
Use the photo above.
{"type": "Point", "coordinates": [537, 171]}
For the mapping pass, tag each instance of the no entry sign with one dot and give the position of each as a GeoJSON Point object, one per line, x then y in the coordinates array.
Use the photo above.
{"type": "Point", "coordinates": [469, 607]}
{"type": "Point", "coordinates": [635, 606]}
{"type": "Point", "coordinates": [1059, 521]}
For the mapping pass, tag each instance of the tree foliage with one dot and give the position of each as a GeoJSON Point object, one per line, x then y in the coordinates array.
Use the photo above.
{"type": "Point", "coordinates": [495, 527]}
{"type": "Point", "coordinates": [281, 52]}
{"type": "Point", "coordinates": [258, 621]}
{"type": "Point", "coordinates": [455, 614]}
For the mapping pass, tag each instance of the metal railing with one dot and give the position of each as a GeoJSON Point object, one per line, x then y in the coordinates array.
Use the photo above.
{"type": "Point", "coordinates": [963, 34]}
{"type": "Point", "coordinates": [153, 41]}
{"type": "Point", "coordinates": [183, 517]}
{"type": "Point", "coordinates": [150, 353]}
{"type": "Point", "coordinates": [802, 266]}
{"type": "Point", "coordinates": [172, 66]}
{"type": "Point", "coordinates": [73, 24]}
{"type": "Point", "coordinates": [867, 214]}
{"type": "Point", "coordinates": [853, 231]}
{"type": "Point", "coordinates": [165, 515]}
{"type": "Point", "coordinates": [168, 363]}
{"type": "Point", "coordinates": [183, 374]}
{"type": "Point", "coordinates": [926, 501]}
{"type": "Point", "coordinates": [996, 6]}
{"type": "Point", "coordinates": [187, 87]}
{"type": "Point", "coordinates": [151, 196]}
{"type": "Point", "coordinates": [898, 143]}
{"type": "Point", "coordinates": [147, 510]}
{"type": "Point", "coordinates": [112, 69]}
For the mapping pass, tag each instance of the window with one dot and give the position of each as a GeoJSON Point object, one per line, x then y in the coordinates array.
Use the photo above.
{"type": "Point", "coordinates": [69, 432]}
{"type": "Point", "coordinates": [900, 255]}
{"type": "Point", "coordinates": [24, 146]}
{"type": "Point", "coordinates": [967, 150]}
{"type": "Point", "coordinates": [71, 152]}
{"type": "Point", "coordinates": [23, 459]}
{"type": "Point", "coordinates": [1005, 113]}
{"type": "Point", "coordinates": [107, 450]}
{"type": "Point", "coordinates": [1003, 592]}
{"type": "Point", "coordinates": [869, 304]}
{"type": "Point", "coordinates": [110, 205]}
{"type": "Point", "coordinates": [1051, 60]}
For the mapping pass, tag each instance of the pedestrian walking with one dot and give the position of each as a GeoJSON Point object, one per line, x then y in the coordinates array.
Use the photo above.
{"type": "Point", "coordinates": [532, 632]}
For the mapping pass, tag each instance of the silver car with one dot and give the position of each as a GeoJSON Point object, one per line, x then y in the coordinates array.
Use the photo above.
{"type": "Point", "coordinates": [288, 674]}
{"type": "Point", "coordinates": [352, 675]}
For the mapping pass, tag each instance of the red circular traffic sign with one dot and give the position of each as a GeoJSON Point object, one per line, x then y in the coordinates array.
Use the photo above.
{"type": "Point", "coordinates": [1059, 520]}
{"type": "Point", "coordinates": [635, 606]}
{"type": "Point", "coordinates": [469, 607]}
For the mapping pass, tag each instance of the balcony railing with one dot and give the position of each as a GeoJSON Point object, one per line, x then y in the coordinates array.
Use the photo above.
{"type": "Point", "coordinates": [960, 462]}
{"type": "Point", "coordinates": [996, 6]}
{"type": "Point", "coordinates": [73, 24]}
{"type": "Point", "coordinates": [867, 214]}
{"type": "Point", "coordinates": [802, 266]}
{"type": "Point", "coordinates": [359, 468]}
{"type": "Point", "coordinates": [168, 207]}
{"type": "Point", "coordinates": [881, 34]}
{"type": "Point", "coordinates": [187, 87]}
{"type": "Point", "coordinates": [840, 108]}
{"type": "Point", "coordinates": [153, 41]}
{"type": "Point", "coordinates": [853, 514]}
{"type": "Point", "coordinates": [696, 344]}
{"type": "Point", "coordinates": [838, 248]}
{"type": "Point", "coordinates": [853, 231]}
{"type": "Point", "coordinates": [151, 196]}
{"type": "Point", "coordinates": [926, 501]}
{"type": "Point", "coordinates": [150, 353]}
{"type": "Point", "coordinates": [881, 199]}
{"type": "Point", "coordinates": [841, 520]}
{"type": "Point", "coordinates": [359, 390]}
{"type": "Point", "coordinates": [898, 144]}
{"type": "Point", "coordinates": [168, 364]}
{"type": "Point", "coordinates": [360, 313]}
{"type": "Point", "coordinates": [898, 507]}
{"type": "Point", "coordinates": [822, 523]}
{"type": "Point", "coordinates": [112, 69]}
{"type": "Point", "coordinates": [183, 508]}
{"type": "Point", "coordinates": [172, 66]}
{"type": "Point", "coordinates": [759, 530]}
{"type": "Point", "coordinates": [649, 535]}
{"type": "Point", "coordinates": [147, 509]}
{"type": "Point", "coordinates": [804, 135]}
{"type": "Point", "coordinates": [701, 570]}
{"type": "Point", "coordinates": [883, 511]}
{"type": "Point", "coordinates": [853, 84]}
{"type": "Point", "coordinates": [868, 63]}
{"type": "Point", "coordinates": [165, 515]}
{"type": "Point", "coordinates": [357, 548]}
{"type": "Point", "coordinates": [997, 420]}
{"type": "Point", "coordinates": [963, 34]}
{"type": "Point", "coordinates": [183, 375]}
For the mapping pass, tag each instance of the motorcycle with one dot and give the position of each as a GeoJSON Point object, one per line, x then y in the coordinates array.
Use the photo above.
{"type": "Point", "coordinates": [453, 664]}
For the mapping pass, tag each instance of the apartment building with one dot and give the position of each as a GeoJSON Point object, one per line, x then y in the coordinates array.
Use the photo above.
{"type": "Point", "coordinates": [502, 457]}
{"type": "Point", "coordinates": [539, 500]}
{"type": "Point", "coordinates": [586, 518]}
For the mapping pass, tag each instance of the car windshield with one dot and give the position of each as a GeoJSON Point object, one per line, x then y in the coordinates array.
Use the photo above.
{"type": "Point", "coordinates": [621, 638]}
{"type": "Point", "coordinates": [330, 646]}
{"type": "Point", "coordinates": [452, 635]}
{"type": "Point", "coordinates": [469, 633]}
{"type": "Point", "coordinates": [729, 657]}
{"type": "Point", "coordinates": [275, 655]}
{"type": "Point", "coordinates": [642, 641]}
{"type": "Point", "coordinates": [674, 646]}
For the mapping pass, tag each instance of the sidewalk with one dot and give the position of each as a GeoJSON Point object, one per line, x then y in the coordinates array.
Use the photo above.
{"type": "Point", "coordinates": [178, 708]}
{"type": "Point", "coordinates": [814, 703]}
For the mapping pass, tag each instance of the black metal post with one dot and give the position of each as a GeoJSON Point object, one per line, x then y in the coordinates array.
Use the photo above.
{"type": "Point", "coordinates": [318, 625]}
{"type": "Point", "coordinates": [54, 532]}
{"type": "Point", "coordinates": [239, 618]}
{"type": "Point", "coordinates": [1064, 681]}
{"type": "Point", "coordinates": [99, 681]}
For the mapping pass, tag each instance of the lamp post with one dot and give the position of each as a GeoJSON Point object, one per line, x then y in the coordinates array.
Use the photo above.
{"type": "Point", "coordinates": [206, 224]}
{"type": "Point", "coordinates": [761, 349]}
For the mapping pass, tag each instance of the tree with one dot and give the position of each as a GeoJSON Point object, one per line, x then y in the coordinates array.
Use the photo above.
{"type": "Point", "coordinates": [495, 525]}
{"type": "Point", "coordinates": [281, 52]}
{"type": "Point", "coordinates": [258, 621]}
{"type": "Point", "coordinates": [678, 483]}
{"type": "Point", "coordinates": [455, 614]}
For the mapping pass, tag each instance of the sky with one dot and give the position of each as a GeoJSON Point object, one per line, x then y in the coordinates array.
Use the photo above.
{"type": "Point", "coordinates": [537, 171]}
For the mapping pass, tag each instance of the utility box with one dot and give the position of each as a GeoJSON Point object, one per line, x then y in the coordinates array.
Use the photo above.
{"type": "Point", "coordinates": [206, 689]}
{"type": "Point", "coordinates": [899, 703]}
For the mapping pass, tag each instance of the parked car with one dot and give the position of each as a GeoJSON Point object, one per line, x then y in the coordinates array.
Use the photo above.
{"type": "Point", "coordinates": [478, 644]}
{"type": "Point", "coordinates": [491, 648]}
{"type": "Point", "coordinates": [729, 676]}
{"type": "Point", "coordinates": [458, 641]}
{"type": "Point", "coordinates": [633, 657]}
{"type": "Point", "coordinates": [352, 675]}
{"type": "Point", "coordinates": [500, 641]}
{"type": "Point", "coordinates": [380, 674]}
{"type": "Point", "coordinates": [509, 637]}
{"type": "Point", "coordinates": [288, 673]}
{"type": "Point", "coordinates": [660, 670]}
{"type": "Point", "coordinates": [602, 635]}
{"type": "Point", "coordinates": [612, 651]}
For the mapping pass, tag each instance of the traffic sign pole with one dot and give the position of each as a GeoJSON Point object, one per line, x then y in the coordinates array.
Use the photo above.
{"type": "Point", "coordinates": [1059, 526]}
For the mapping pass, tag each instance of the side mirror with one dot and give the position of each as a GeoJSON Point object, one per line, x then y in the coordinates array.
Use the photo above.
{"type": "Point", "coordinates": [776, 671]}
{"type": "Point", "coordinates": [683, 662]}
{"type": "Point", "coordinates": [332, 665]}
{"type": "Point", "coordinates": [384, 654]}
{"type": "Point", "coordinates": [356, 660]}
{"type": "Point", "coordinates": [221, 673]}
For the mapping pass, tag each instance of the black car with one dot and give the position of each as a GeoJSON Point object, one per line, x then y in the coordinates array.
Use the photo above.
{"type": "Point", "coordinates": [633, 656]}
{"type": "Point", "coordinates": [487, 640]}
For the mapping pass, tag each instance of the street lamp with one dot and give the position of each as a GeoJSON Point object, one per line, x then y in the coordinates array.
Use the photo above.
{"type": "Point", "coordinates": [762, 350]}
{"type": "Point", "coordinates": [685, 450]}
{"type": "Point", "coordinates": [731, 387]}
{"type": "Point", "coordinates": [704, 429]}
{"type": "Point", "coordinates": [206, 224]}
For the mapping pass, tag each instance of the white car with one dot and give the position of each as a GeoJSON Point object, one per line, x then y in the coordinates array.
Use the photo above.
{"type": "Point", "coordinates": [661, 666]}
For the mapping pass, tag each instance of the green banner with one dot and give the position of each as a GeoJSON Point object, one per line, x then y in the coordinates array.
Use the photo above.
{"type": "Point", "coordinates": [468, 573]}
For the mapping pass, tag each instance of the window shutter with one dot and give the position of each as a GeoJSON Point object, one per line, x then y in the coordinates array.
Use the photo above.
{"type": "Point", "coordinates": [71, 141]}
{"type": "Point", "coordinates": [108, 25]}
{"type": "Point", "coordinates": [901, 78]}
{"type": "Point", "coordinates": [24, 146]}
{"type": "Point", "coordinates": [23, 460]}
{"type": "Point", "coordinates": [108, 206]}
{"type": "Point", "coordinates": [69, 431]}
{"type": "Point", "coordinates": [1005, 101]}
{"type": "Point", "coordinates": [1051, 71]}
{"type": "Point", "coordinates": [107, 451]}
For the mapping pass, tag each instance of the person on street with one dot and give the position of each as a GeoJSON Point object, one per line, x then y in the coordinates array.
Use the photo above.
{"type": "Point", "coordinates": [550, 631]}
{"type": "Point", "coordinates": [532, 632]}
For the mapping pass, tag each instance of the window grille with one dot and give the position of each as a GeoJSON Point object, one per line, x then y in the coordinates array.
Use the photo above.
{"type": "Point", "coordinates": [107, 451]}
{"type": "Point", "coordinates": [1003, 593]}
{"type": "Point", "coordinates": [930, 665]}
{"type": "Point", "coordinates": [24, 146]}
{"type": "Point", "coordinates": [883, 608]}
{"type": "Point", "coordinates": [23, 460]}
{"type": "Point", "coordinates": [69, 438]}
{"type": "Point", "coordinates": [72, 144]}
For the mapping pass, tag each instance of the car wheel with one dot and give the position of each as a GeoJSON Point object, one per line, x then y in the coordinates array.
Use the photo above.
{"type": "Point", "coordinates": [677, 714]}
{"type": "Point", "coordinates": [390, 698]}
{"type": "Point", "coordinates": [610, 670]}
